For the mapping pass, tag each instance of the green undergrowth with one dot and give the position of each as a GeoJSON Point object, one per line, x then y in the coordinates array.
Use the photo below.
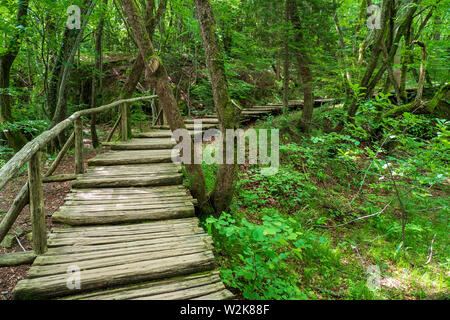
{"type": "Point", "coordinates": [293, 236]}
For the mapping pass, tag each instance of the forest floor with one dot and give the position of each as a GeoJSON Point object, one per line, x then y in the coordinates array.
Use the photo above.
{"type": "Point", "coordinates": [54, 194]}
{"type": "Point", "coordinates": [292, 235]}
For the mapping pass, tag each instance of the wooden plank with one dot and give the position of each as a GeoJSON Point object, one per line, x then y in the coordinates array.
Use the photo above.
{"type": "Point", "coordinates": [129, 181]}
{"type": "Point", "coordinates": [56, 286]}
{"type": "Point", "coordinates": [71, 250]}
{"type": "Point", "coordinates": [149, 167]}
{"type": "Point", "coordinates": [185, 294]}
{"type": "Point", "coordinates": [203, 120]}
{"type": "Point", "coordinates": [131, 190]}
{"type": "Point", "coordinates": [105, 198]}
{"type": "Point", "coordinates": [131, 200]}
{"type": "Point", "coordinates": [122, 216]}
{"type": "Point", "coordinates": [57, 241]}
{"type": "Point", "coordinates": [161, 133]}
{"type": "Point", "coordinates": [38, 225]}
{"type": "Point", "coordinates": [189, 126]}
{"type": "Point", "coordinates": [97, 263]}
{"type": "Point", "coordinates": [151, 288]}
{"type": "Point", "coordinates": [132, 157]}
{"type": "Point", "coordinates": [170, 244]}
{"type": "Point", "coordinates": [155, 134]}
{"type": "Point", "coordinates": [219, 295]}
{"type": "Point", "coordinates": [148, 226]}
{"type": "Point", "coordinates": [144, 144]}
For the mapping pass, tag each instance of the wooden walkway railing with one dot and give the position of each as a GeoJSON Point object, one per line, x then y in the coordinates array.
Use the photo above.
{"type": "Point", "coordinates": [32, 191]}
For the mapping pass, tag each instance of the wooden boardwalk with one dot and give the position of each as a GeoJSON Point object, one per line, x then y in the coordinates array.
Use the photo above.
{"type": "Point", "coordinates": [129, 229]}
{"type": "Point", "coordinates": [131, 232]}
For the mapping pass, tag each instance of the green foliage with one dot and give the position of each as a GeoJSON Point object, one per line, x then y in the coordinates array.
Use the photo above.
{"type": "Point", "coordinates": [5, 154]}
{"type": "Point", "coordinates": [264, 258]}
{"type": "Point", "coordinates": [30, 127]}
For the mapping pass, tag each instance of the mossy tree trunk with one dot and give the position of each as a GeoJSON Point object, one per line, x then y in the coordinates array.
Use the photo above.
{"type": "Point", "coordinates": [438, 106]}
{"type": "Point", "coordinates": [228, 116]}
{"type": "Point", "coordinates": [160, 81]}
{"type": "Point", "coordinates": [305, 73]}
{"type": "Point", "coordinates": [62, 70]}
{"type": "Point", "coordinates": [96, 75]}
{"type": "Point", "coordinates": [286, 60]}
{"type": "Point", "coordinates": [151, 20]}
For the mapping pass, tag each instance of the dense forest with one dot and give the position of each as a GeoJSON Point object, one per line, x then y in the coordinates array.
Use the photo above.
{"type": "Point", "coordinates": [357, 92]}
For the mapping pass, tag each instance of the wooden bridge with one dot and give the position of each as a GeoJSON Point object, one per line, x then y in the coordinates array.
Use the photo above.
{"type": "Point", "coordinates": [129, 227]}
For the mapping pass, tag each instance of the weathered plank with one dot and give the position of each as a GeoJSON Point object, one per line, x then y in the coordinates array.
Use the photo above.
{"type": "Point", "coordinates": [97, 263]}
{"type": "Point", "coordinates": [132, 190]}
{"type": "Point", "coordinates": [57, 240]}
{"type": "Point", "coordinates": [71, 250]}
{"type": "Point", "coordinates": [147, 226]}
{"type": "Point", "coordinates": [144, 144]}
{"type": "Point", "coordinates": [132, 157]}
{"type": "Point", "coordinates": [219, 295]}
{"type": "Point", "coordinates": [56, 285]}
{"type": "Point", "coordinates": [185, 294]}
{"type": "Point", "coordinates": [154, 134]}
{"type": "Point", "coordinates": [170, 244]}
{"type": "Point", "coordinates": [130, 200]}
{"type": "Point", "coordinates": [190, 126]}
{"type": "Point", "coordinates": [133, 180]}
{"type": "Point", "coordinates": [121, 216]}
{"type": "Point", "coordinates": [142, 168]}
{"type": "Point", "coordinates": [203, 120]}
{"type": "Point", "coordinates": [152, 288]}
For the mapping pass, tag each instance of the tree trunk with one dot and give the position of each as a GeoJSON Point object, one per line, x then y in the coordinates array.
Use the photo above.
{"type": "Point", "coordinates": [151, 20]}
{"type": "Point", "coordinates": [305, 74]}
{"type": "Point", "coordinates": [96, 76]}
{"type": "Point", "coordinates": [374, 59]}
{"type": "Point", "coordinates": [61, 72]}
{"type": "Point", "coordinates": [160, 81]}
{"type": "Point", "coordinates": [60, 111]}
{"type": "Point", "coordinates": [286, 62]}
{"type": "Point", "coordinates": [228, 116]}
{"type": "Point", "coordinates": [342, 46]}
{"type": "Point", "coordinates": [438, 106]}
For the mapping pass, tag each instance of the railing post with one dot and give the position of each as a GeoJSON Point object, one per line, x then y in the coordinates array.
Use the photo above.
{"type": "Point", "coordinates": [79, 163]}
{"type": "Point", "coordinates": [38, 225]}
{"type": "Point", "coordinates": [124, 121]}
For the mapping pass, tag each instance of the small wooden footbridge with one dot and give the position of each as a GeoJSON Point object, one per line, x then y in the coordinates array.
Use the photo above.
{"type": "Point", "coordinates": [128, 226]}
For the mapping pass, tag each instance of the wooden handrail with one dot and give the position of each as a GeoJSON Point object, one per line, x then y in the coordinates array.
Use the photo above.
{"type": "Point", "coordinates": [32, 147]}
{"type": "Point", "coordinates": [32, 191]}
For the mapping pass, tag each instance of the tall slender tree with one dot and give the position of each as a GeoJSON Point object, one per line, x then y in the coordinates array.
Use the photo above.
{"type": "Point", "coordinates": [160, 81]}
{"type": "Point", "coordinates": [227, 113]}
{"type": "Point", "coordinates": [305, 73]}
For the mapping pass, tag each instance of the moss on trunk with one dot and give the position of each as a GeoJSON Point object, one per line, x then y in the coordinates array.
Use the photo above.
{"type": "Point", "coordinates": [438, 106]}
